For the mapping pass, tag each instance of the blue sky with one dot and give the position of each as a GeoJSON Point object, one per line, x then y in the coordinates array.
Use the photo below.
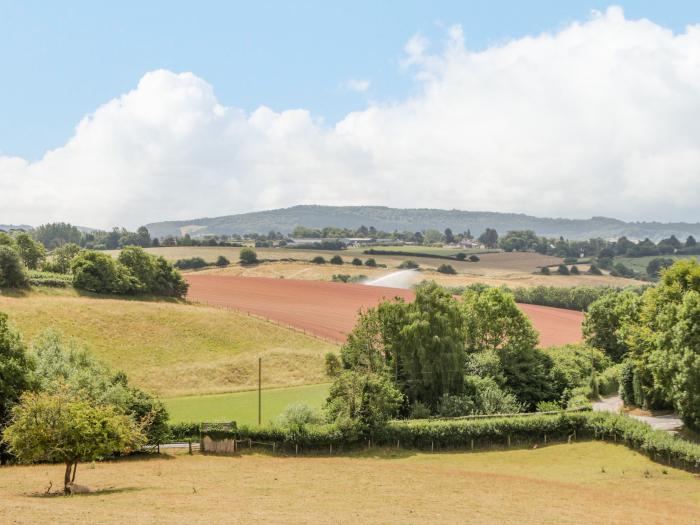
{"type": "Point", "coordinates": [62, 60]}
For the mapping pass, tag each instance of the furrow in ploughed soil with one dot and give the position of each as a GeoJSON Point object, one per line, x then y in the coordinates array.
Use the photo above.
{"type": "Point", "coordinates": [330, 309]}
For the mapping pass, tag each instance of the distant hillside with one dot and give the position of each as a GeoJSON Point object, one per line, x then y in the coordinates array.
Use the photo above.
{"type": "Point", "coordinates": [8, 227]}
{"type": "Point", "coordinates": [390, 219]}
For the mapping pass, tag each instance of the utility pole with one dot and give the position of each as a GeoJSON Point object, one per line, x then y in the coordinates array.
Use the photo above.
{"type": "Point", "coordinates": [259, 390]}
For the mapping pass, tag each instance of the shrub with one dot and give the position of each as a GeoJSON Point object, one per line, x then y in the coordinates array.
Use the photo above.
{"type": "Point", "coordinates": [248, 256]}
{"type": "Point", "coordinates": [574, 270]}
{"type": "Point", "coordinates": [563, 269]}
{"type": "Point", "coordinates": [98, 272]}
{"type": "Point", "coordinates": [332, 364]}
{"type": "Point", "coordinates": [570, 260]}
{"type": "Point", "coordinates": [298, 415]}
{"type": "Point", "coordinates": [408, 265]}
{"type": "Point", "coordinates": [340, 277]}
{"type": "Point", "coordinates": [190, 264]}
{"type": "Point", "coordinates": [460, 256]}
{"type": "Point", "coordinates": [318, 260]}
{"type": "Point", "coordinates": [447, 269]}
{"type": "Point", "coordinates": [371, 263]}
{"type": "Point", "coordinates": [545, 270]}
{"type": "Point", "coordinates": [222, 261]}
{"type": "Point", "coordinates": [456, 405]}
{"type": "Point", "coordinates": [337, 259]}
{"type": "Point", "coordinates": [474, 258]}
{"type": "Point", "coordinates": [154, 274]}
{"type": "Point", "coordinates": [548, 406]}
{"type": "Point", "coordinates": [12, 274]}
{"type": "Point", "coordinates": [357, 261]}
{"type": "Point", "coordinates": [419, 410]}
{"type": "Point", "coordinates": [594, 270]}
{"type": "Point", "coordinates": [50, 279]}
{"type": "Point", "coordinates": [609, 380]}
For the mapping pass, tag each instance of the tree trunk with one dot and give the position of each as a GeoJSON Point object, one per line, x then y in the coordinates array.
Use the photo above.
{"type": "Point", "coordinates": [75, 469]}
{"type": "Point", "coordinates": [66, 477]}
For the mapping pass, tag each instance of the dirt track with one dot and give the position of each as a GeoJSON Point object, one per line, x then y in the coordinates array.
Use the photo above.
{"type": "Point", "coordinates": [330, 309]}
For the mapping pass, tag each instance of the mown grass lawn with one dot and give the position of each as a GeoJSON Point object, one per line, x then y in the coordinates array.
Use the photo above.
{"type": "Point", "coordinates": [242, 407]}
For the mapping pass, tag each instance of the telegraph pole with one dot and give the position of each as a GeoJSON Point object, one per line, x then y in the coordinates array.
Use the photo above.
{"type": "Point", "coordinates": [259, 390]}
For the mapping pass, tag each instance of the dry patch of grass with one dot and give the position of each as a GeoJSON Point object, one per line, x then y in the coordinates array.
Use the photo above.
{"type": "Point", "coordinates": [173, 348]}
{"type": "Point", "coordinates": [581, 483]}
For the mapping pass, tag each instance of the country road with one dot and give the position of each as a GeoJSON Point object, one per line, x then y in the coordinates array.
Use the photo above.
{"type": "Point", "coordinates": [668, 422]}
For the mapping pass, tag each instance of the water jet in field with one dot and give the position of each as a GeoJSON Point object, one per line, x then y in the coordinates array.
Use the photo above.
{"type": "Point", "coordinates": [401, 279]}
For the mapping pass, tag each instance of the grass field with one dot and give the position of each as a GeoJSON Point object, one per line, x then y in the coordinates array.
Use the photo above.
{"type": "Point", "coordinates": [242, 407]}
{"type": "Point", "coordinates": [171, 348]}
{"type": "Point", "coordinates": [514, 269]}
{"type": "Point", "coordinates": [639, 264]}
{"type": "Point", "coordinates": [589, 482]}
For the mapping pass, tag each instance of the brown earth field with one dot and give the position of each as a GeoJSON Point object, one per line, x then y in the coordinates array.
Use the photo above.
{"type": "Point", "coordinates": [330, 310]}
{"type": "Point", "coordinates": [589, 482]}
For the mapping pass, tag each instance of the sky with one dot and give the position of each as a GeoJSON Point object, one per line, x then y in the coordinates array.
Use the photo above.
{"type": "Point", "coordinates": [132, 112]}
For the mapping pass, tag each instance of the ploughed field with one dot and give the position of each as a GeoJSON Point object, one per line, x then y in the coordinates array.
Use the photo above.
{"type": "Point", "coordinates": [589, 482]}
{"type": "Point", "coordinates": [330, 310]}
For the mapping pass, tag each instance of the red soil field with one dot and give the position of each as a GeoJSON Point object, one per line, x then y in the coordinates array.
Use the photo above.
{"type": "Point", "coordinates": [330, 309]}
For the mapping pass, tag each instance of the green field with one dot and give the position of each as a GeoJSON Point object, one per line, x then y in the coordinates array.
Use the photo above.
{"type": "Point", "coordinates": [171, 348]}
{"type": "Point", "coordinates": [639, 264]}
{"type": "Point", "coordinates": [242, 407]}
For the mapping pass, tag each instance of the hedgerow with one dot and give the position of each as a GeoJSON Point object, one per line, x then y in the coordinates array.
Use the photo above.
{"type": "Point", "coordinates": [475, 433]}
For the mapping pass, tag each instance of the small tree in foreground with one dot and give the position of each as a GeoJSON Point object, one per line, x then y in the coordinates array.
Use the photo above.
{"type": "Point", "coordinates": [57, 428]}
{"type": "Point", "coordinates": [12, 273]}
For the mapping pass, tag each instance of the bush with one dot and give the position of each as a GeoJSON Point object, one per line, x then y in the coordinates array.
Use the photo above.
{"type": "Point", "coordinates": [545, 270]}
{"type": "Point", "coordinates": [12, 274]}
{"type": "Point", "coordinates": [337, 259]}
{"type": "Point", "coordinates": [332, 364]}
{"type": "Point", "coordinates": [419, 410]}
{"type": "Point", "coordinates": [190, 264]}
{"type": "Point", "coordinates": [456, 405]}
{"type": "Point", "coordinates": [371, 263]}
{"type": "Point", "coordinates": [570, 260]}
{"type": "Point", "coordinates": [447, 269]}
{"type": "Point", "coordinates": [222, 261]}
{"type": "Point", "coordinates": [98, 272]}
{"type": "Point", "coordinates": [474, 258]}
{"type": "Point", "coordinates": [298, 415]}
{"type": "Point", "coordinates": [408, 265]}
{"type": "Point", "coordinates": [461, 256]}
{"type": "Point", "coordinates": [357, 261]}
{"type": "Point", "coordinates": [248, 256]}
{"type": "Point", "coordinates": [563, 269]}
{"type": "Point", "coordinates": [154, 274]}
{"type": "Point", "coordinates": [609, 380]}
{"type": "Point", "coordinates": [50, 279]}
{"type": "Point", "coordinates": [548, 406]}
{"type": "Point", "coordinates": [574, 270]}
{"type": "Point", "coordinates": [594, 270]}
{"type": "Point", "coordinates": [318, 260]}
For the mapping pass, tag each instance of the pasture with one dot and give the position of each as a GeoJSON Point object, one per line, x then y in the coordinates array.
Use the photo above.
{"type": "Point", "coordinates": [171, 348]}
{"type": "Point", "coordinates": [242, 407]}
{"type": "Point", "coordinates": [514, 269]}
{"type": "Point", "coordinates": [590, 482]}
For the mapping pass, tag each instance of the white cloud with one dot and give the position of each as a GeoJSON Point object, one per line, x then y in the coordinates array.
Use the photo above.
{"type": "Point", "coordinates": [360, 85]}
{"type": "Point", "coordinates": [599, 118]}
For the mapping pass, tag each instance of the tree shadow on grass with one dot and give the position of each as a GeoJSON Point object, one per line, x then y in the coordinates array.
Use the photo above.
{"type": "Point", "coordinates": [98, 492]}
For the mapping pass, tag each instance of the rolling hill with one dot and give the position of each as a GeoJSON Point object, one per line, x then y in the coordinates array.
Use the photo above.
{"type": "Point", "coordinates": [416, 219]}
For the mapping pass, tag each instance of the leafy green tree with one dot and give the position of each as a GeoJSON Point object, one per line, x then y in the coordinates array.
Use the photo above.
{"type": "Point", "coordinates": [365, 401]}
{"type": "Point", "coordinates": [12, 274]}
{"type": "Point", "coordinates": [604, 322]}
{"type": "Point", "coordinates": [100, 273]}
{"type": "Point", "coordinates": [318, 260]}
{"type": "Point", "coordinates": [449, 236]}
{"type": "Point", "coordinates": [521, 240]}
{"type": "Point", "coordinates": [563, 270]}
{"type": "Point", "coordinates": [248, 256]}
{"type": "Point", "coordinates": [594, 270]}
{"type": "Point", "coordinates": [657, 265]}
{"type": "Point", "coordinates": [357, 261]}
{"type": "Point", "coordinates": [15, 374]}
{"type": "Point", "coordinates": [61, 258]}
{"type": "Point", "coordinates": [155, 275]}
{"type": "Point", "coordinates": [489, 238]}
{"type": "Point", "coordinates": [222, 261]}
{"type": "Point", "coordinates": [57, 234]}
{"type": "Point", "coordinates": [574, 270]}
{"type": "Point", "coordinates": [545, 270]}
{"type": "Point", "coordinates": [58, 428]}
{"type": "Point", "coordinates": [31, 252]}
{"type": "Point", "coordinates": [336, 259]}
{"type": "Point", "coordinates": [371, 263]}
{"type": "Point", "coordinates": [690, 242]}
{"type": "Point", "coordinates": [432, 237]}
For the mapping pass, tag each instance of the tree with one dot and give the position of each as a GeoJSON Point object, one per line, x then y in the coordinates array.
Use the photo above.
{"type": "Point", "coordinates": [432, 237]}
{"type": "Point", "coordinates": [248, 256]}
{"type": "Point", "coordinates": [574, 270]}
{"type": "Point", "coordinates": [143, 237]}
{"type": "Point", "coordinates": [222, 261]}
{"type": "Point", "coordinates": [371, 263]}
{"type": "Point", "coordinates": [12, 274]}
{"type": "Point", "coordinates": [318, 260]}
{"type": "Point", "coordinates": [98, 272]}
{"type": "Point", "coordinates": [357, 261]}
{"type": "Point", "coordinates": [336, 259]}
{"type": "Point", "coordinates": [604, 322]}
{"type": "Point", "coordinates": [690, 242]}
{"type": "Point", "coordinates": [449, 236]}
{"type": "Point", "coordinates": [521, 240]}
{"type": "Point", "coordinates": [58, 428]}
{"type": "Point", "coordinates": [447, 269]}
{"type": "Point", "coordinates": [563, 270]}
{"type": "Point", "coordinates": [656, 265]}
{"type": "Point", "coordinates": [15, 373]}
{"type": "Point", "coordinates": [489, 238]}
{"type": "Point", "coordinates": [155, 275]}
{"type": "Point", "coordinates": [57, 234]}
{"type": "Point", "coordinates": [31, 252]}
{"type": "Point", "coordinates": [61, 258]}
